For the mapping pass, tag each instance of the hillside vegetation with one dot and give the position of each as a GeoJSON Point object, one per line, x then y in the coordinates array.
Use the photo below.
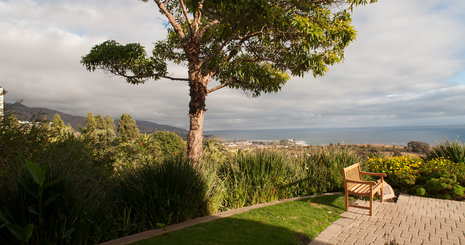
{"type": "Point", "coordinates": [59, 186]}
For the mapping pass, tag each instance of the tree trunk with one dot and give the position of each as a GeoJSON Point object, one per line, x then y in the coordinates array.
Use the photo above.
{"type": "Point", "coordinates": [198, 93]}
{"type": "Point", "coordinates": [195, 137]}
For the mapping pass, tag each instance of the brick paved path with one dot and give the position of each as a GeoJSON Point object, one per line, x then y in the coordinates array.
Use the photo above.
{"type": "Point", "coordinates": [412, 220]}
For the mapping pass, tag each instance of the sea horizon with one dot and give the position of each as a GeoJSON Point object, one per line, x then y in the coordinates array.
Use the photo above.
{"type": "Point", "coordinates": [392, 135]}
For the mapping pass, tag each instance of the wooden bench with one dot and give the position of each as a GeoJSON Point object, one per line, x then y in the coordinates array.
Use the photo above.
{"type": "Point", "coordinates": [354, 185]}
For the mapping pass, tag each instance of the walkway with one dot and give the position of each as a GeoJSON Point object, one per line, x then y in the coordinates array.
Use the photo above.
{"type": "Point", "coordinates": [412, 220]}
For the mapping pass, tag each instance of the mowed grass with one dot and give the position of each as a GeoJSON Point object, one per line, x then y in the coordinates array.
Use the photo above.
{"type": "Point", "coordinates": [296, 222]}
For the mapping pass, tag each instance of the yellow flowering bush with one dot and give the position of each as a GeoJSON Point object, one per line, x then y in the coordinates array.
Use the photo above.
{"type": "Point", "coordinates": [438, 177]}
{"type": "Point", "coordinates": [401, 171]}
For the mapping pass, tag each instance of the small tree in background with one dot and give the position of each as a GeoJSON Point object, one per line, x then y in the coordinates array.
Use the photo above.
{"type": "Point", "coordinates": [110, 126]}
{"type": "Point", "coordinates": [252, 45]}
{"type": "Point", "coordinates": [58, 129]}
{"type": "Point", "coordinates": [100, 122]}
{"type": "Point", "coordinates": [91, 126]}
{"type": "Point", "coordinates": [127, 128]}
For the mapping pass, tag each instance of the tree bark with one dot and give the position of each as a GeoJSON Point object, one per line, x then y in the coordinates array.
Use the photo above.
{"type": "Point", "coordinates": [198, 93]}
{"type": "Point", "coordinates": [195, 137]}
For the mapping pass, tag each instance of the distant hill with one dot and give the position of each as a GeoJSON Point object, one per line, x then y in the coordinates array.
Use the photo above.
{"type": "Point", "coordinates": [25, 113]}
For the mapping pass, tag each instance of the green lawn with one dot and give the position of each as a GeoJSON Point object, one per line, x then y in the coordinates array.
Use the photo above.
{"type": "Point", "coordinates": [296, 222]}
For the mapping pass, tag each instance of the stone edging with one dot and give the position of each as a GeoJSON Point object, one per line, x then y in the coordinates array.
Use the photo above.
{"type": "Point", "coordinates": [192, 222]}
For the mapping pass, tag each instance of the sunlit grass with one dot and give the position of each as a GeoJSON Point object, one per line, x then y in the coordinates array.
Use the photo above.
{"type": "Point", "coordinates": [296, 222]}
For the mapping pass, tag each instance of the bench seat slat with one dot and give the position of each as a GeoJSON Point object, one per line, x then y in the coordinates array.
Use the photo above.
{"type": "Point", "coordinates": [359, 188]}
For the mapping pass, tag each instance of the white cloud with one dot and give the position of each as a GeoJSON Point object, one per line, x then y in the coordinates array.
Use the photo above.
{"type": "Point", "coordinates": [398, 71]}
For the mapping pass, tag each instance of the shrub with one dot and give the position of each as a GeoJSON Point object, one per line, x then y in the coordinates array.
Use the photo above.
{"type": "Point", "coordinates": [418, 146]}
{"type": "Point", "coordinates": [458, 191]}
{"type": "Point", "coordinates": [439, 177]}
{"type": "Point", "coordinates": [136, 152]}
{"type": "Point", "coordinates": [454, 151]}
{"type": "Point", "coordinates": [155, 195]}
{"type": "Point", "coordinates": [418, 191]}
{"type": "Point", "coordinates": [171, 144]}
{"type": "Point", "coordinates": [401, 171]}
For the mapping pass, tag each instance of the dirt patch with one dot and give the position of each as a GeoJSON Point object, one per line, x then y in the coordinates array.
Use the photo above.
{"type": "Point", "coordinates": [304, 240]}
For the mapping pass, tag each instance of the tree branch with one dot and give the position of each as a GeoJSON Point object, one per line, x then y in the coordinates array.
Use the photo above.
{"type": "Point", "coordinates": [198, 16]}
{"type": "Point", "coordinates": [123, 74]}
{"type": "Point", "coordinates": [177, 27]}
{"type": "Point", "coordinates": [211, 23]}
{"type": "Point", "coordinates": [184, 10]}
{"type": "Point", "coordinates": [219, 86]}
{"type": "Point", "coordinates": [175, 78]}
{"type": "Point", "coordinates": [241, 41]}
{"type": "Point", "coordinates": [214, 54]}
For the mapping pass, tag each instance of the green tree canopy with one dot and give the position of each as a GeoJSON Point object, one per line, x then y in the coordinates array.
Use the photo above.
{"type": "Point", "coordinates": [252, 45]}
{"type": "Point", "coordinates": [100, 122]}
{"type": "Point", "coordinates": [127, 128]}
{"type": "Point", "coordinates": [57, 122]}
{"type": "Point", "coordinates": [170, 143]}
{"type": "Point", "coordinates": [58, 129]}
{"type": "Point", "coordinates": [91, 125]}
{"type": "Point", "coordinates": [110, 126]}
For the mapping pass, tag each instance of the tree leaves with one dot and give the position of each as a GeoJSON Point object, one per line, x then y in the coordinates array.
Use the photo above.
{"type": "Point", "coordinates": [128, 60]}
{"type": "Point", "coordinates": [281, 36]}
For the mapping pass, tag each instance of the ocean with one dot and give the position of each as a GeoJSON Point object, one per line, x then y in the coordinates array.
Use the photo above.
{"type": "Point", "coordinates": [370, 135]}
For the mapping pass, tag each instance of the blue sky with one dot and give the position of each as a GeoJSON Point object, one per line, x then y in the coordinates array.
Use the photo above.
{"type": "Point", "coordinates": [407, 67]}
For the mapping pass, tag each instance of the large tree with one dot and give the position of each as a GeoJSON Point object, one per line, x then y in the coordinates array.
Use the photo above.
{"type": "Point", "coordinates": [253, 45]}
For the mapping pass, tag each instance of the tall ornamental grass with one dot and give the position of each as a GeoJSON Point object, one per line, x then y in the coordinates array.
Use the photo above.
{"type": "Point", "coordinates": [454, 151]}
{"type": "Point", "coordinates": [320, 170]}
{"type": "Point", "coordinates": [155, 195]}
{"type": "Point", "coordinates": [254, 177]}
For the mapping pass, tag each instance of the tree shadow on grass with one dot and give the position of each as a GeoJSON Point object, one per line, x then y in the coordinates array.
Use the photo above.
{"type": "Point", "coordinates": [327, 200]}
{"type": "Point", "coordinates": [230, 231]}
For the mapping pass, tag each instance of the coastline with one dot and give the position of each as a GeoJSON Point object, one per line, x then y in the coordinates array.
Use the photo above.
{"type": "Point", "coordinates": [371, 135]}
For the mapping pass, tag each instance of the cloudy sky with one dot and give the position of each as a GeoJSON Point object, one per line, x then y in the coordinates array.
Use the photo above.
{"type": "Point", "coordinates": [407, 67]}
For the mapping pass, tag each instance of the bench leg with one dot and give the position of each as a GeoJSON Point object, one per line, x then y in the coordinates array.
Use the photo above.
{"type": "Point", "coordinates": [347, 200]}
{"type": "Point", "coordinates": [371, 204]}
{"type": "Point", "coordinates": [382, 191]}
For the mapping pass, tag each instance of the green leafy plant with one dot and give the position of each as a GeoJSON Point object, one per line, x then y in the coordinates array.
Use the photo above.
{"type": "Point", "coordinates": [37, 191]}
{"type": "Point", "coordinates": [21, 233]}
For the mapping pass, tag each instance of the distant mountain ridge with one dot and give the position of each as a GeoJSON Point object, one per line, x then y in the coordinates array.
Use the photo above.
{"type": "Point", "coordinates": [25, 113]}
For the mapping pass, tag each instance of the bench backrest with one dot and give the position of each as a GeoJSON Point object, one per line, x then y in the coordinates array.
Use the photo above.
{"type": "Point", "coordinates": [352, 173]}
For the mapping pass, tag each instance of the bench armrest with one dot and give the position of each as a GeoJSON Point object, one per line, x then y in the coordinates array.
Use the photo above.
{"type": "Point", "coordinates": [374, 174]}
{"type": "Point", "coordinates": [361, 182]}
